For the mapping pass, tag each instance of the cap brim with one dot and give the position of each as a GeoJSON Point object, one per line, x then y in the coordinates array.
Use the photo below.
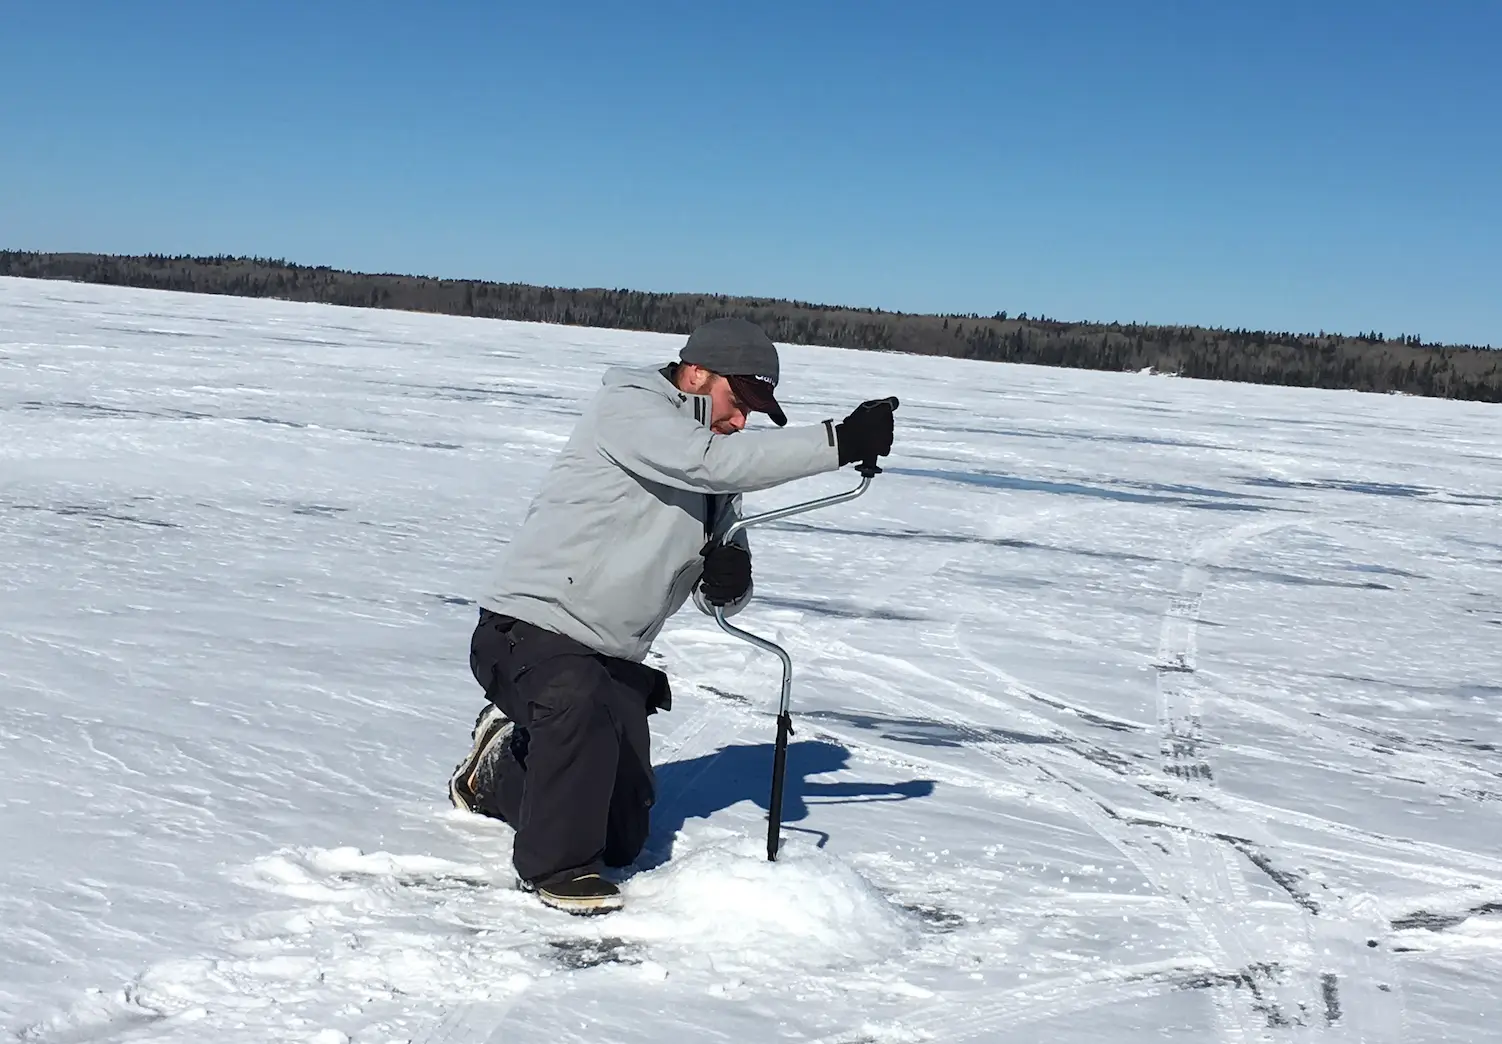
{"type": "Point", "coordinates": [756, 395]}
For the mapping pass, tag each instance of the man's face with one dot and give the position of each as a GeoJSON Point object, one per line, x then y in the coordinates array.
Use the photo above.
{"type": "Point", "coordinates": [727, 415]}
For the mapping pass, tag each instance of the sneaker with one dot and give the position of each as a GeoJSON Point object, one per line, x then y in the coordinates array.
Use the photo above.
{"type": "Point", "coordinates": [491, 734]}
{"type": "Point", "coordinates": [583, 895]}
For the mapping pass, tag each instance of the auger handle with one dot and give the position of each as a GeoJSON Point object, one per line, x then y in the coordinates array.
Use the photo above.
{"type": "Point", "coordinates": [868, 470]}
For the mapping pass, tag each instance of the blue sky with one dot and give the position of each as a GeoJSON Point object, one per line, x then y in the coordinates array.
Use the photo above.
{"type": "Point", "coordinates": [1300, 166]}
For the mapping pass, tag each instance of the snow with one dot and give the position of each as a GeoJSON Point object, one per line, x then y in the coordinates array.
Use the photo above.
{"type": "Point", "coordinates": [1127, 708]}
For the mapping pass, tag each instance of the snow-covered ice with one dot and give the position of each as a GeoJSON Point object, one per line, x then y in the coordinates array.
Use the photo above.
{"type": "Point", "coordinates": [1128, 708]}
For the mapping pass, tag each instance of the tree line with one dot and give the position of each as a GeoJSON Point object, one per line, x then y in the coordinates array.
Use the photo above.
{"type": "Point", "coordinates": [1365, 362]}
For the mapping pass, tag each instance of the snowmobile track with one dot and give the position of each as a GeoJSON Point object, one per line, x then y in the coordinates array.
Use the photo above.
{"type": "Point", "coordinates": [1203, 870]}
{"type": "Point", "coordinates": [1311, 995]}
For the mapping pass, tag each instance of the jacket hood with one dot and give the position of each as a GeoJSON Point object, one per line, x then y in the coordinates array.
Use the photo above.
{"type": "Point", "coordinates": [652, 379]}
{"type": "Point", "coordinates": [649, 378]}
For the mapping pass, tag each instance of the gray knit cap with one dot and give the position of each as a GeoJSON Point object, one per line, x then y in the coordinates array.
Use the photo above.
{"type": "Point", "coordinates": [740, 351]}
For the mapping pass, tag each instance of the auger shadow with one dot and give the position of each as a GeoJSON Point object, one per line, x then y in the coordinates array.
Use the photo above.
{"type": "Point", "coordinates": [697, 788]}
{"type": "Point", "coordinates": [927, 732]}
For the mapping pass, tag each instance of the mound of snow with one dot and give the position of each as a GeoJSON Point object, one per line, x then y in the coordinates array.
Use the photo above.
{"type": "Point", "coordinates": [807, 909]}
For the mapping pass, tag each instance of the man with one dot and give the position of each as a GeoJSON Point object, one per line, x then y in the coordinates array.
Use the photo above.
{"type": "Point", "coordinates": [626, 526]}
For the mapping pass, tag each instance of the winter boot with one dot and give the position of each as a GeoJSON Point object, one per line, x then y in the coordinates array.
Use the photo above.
{"type": "Point", "coordinates": [491, 735]}
{"type": "Point", "coordinates": [583, 895]}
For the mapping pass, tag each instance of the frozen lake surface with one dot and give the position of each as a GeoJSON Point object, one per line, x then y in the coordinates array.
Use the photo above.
{"type": "Point", "coordinates": [1128, 708]}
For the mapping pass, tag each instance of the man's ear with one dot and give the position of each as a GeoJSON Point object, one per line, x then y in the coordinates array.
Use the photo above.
{"type": "Point", "coordinates": [693, 378]}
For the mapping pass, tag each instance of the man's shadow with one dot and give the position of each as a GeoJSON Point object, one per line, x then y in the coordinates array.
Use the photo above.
{"type": "Point", "coordinates": [699, 787]}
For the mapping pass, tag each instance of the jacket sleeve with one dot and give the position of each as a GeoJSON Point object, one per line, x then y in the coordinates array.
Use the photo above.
{"type": "Point", "coordinates": [670, 447]}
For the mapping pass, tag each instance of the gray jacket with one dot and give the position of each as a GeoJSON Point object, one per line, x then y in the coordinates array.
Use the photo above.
{"type": "Point", "coordinates": [610, 546]}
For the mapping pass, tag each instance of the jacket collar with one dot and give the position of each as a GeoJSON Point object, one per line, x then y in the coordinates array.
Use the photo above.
{"type": "Point", "coordinates": [701, 406]}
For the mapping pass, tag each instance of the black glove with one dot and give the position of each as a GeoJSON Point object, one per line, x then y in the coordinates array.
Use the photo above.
{"type": "Point", "coordinates": [727, 572]}
{"type": "Point", "coordinates": [867, 433]}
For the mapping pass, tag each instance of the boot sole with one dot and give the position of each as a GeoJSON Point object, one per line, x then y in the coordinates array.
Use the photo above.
{"type": "Point", "coordinates": [460, 796]}
{"type": "Point", "coordinates": [590, 906]}
{"type": "Point", "coordinates": [459, 799]}
{"type": "Point", "coordinates": [582, 907]}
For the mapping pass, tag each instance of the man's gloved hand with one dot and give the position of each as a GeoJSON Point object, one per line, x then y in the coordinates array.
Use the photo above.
{"type": "Point", "coordinates": [727, 572]}
{"type": "Point", "coordinates": [867, 433]}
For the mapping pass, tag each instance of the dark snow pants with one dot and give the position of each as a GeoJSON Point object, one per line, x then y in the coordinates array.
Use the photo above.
{"type": "Point", "coordinates": [577, 782]}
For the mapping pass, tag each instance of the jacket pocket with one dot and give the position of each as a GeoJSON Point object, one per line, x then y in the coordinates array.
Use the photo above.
{"type": "Point", "coordinates": [677, 593]}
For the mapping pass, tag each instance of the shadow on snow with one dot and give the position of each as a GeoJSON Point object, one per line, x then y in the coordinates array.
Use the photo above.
{"type": "Point", "coordinates": [697, 788]}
